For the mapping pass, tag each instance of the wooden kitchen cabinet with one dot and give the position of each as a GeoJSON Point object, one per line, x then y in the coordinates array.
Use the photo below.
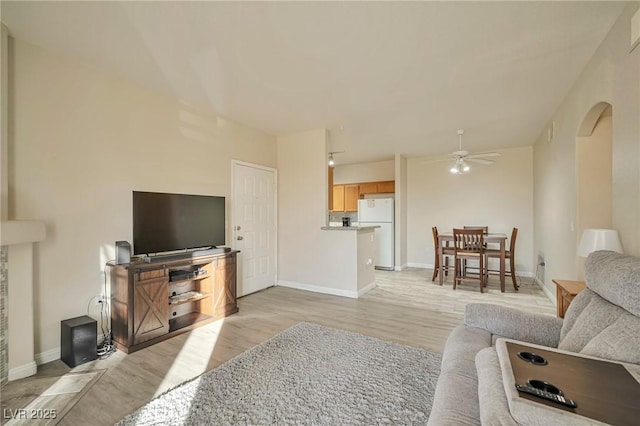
{"type": "Point", "coordinates": [345, 198]}
{"type": "Point", "coordinates": [351, 197]}
{"type": "Point", "coordinates": [387, 187]}
{"type": "Point", "coordinates": [368, 188]}
{"type": "Point", "coordinates": [382, 187]}
{"type": "Point", "coordinates": [338, 198]}
{"type": "Point", "coordinates": [330, 186]}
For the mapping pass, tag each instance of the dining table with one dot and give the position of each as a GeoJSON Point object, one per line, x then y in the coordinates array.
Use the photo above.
{"type": "Point", "coordinates": [489, 238]}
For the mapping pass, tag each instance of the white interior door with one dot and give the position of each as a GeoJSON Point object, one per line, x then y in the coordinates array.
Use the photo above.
{"type": "Point", "coordinates": [254, 225]}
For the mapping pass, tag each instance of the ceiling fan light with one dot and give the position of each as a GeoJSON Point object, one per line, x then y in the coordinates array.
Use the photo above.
{"type": "Point", "coordinates": [331, 161]}
{"type": "Point", "coordinates": [454, 169]}
{"type": "Point", "coordinates": [466, 168]}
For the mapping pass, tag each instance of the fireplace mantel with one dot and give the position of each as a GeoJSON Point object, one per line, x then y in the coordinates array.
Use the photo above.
{"type": "Point", "coordinates": [21, 231]}
{"type": "Point", "coordinates": [18, 237]}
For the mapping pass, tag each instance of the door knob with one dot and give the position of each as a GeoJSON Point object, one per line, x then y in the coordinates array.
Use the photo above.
{"type": "Point", "coordinates": [239, 238]}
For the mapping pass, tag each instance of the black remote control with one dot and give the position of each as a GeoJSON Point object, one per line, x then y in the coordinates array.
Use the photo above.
{"type": "Point", "coordinates": [547, 395]}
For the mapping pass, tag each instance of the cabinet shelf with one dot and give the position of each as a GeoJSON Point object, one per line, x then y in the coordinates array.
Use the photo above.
{"type": "Point", "coordinates": [190, 296]}
{"type": "Point", "coordinates": [187, 320]}
{"type": "Point", "coordinates": [184, 280]}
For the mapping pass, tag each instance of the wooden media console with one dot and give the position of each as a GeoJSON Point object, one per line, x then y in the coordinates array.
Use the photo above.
{"type": "Point", "coordinates": [151, 302]}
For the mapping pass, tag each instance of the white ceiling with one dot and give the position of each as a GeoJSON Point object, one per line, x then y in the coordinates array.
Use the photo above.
{"type": "Point", "coordinates": [383, 77]}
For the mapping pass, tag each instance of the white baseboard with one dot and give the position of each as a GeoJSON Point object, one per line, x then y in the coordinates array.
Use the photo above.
{"type": "Point", "coordinates": [23, 371]}
{"type": "Point", "coordinates": [48, 356]}
{"type": "Point", "coordinates": [366, 289]}
{"type": "Point", "coordinates": [420, 265]}
{"type": "Point", "coordinates": [525, 274]}
{"type": "Point", "coordinates": [319, 289]}
{"type": "Point", "coordinates": [402, 267]}
{"type": "Point", "coordinates": [31, 368]}
{"type": "Point", "coordinates": [547, 292]}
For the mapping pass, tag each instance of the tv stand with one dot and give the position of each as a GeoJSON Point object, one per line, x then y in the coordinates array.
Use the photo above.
{"type": "Point", "coordinates": [153, 301]}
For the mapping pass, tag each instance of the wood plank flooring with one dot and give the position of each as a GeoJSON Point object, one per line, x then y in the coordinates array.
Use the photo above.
{"type": "Point", "coordinates": [405, 307]}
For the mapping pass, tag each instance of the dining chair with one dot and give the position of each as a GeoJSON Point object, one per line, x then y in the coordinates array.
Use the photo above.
{"type": "Point", "coordinates": [485, 229]}
{"type": "Point", "coordinates": [446, 252]}
{"type": "Point", "coordinates": [468, 244]}
{"type": "Point", "coordinates": [508, 254]}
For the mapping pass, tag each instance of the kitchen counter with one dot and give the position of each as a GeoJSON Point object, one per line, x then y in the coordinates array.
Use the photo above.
{"type": "Point", "coordinates": [348, 228]}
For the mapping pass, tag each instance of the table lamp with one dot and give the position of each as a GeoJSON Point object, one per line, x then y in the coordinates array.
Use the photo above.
{"type": "Point", "coordinates": [599, 239]}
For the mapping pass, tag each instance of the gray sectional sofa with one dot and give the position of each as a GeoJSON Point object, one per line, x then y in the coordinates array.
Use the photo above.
{"type": "Point", "coordinates": [603, 321]}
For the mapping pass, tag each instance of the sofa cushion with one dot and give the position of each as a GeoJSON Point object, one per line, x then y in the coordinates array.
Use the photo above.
{"type": "Point", "coordinates": [619, 342]}
{"type": "Point", "coordinates": [514, 323]}
{"type": "Point", "coordinates": [615, 277]}
{"type": "Point", "coordinates": [494, 408]}
{"type": "Point", "coordinates": [575, 309]}
{"type": "Point", "coordinates": [604, 330]}
{"type": "Point", "coordinates": [597, 315]}
{"type": "Point", "coordinates": [456, 397]}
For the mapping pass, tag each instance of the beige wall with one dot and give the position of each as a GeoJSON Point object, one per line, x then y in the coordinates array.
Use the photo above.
{"type": "Point", "coordinates": [308, 257]}
{"type": "Point", "coordinates": [401, 212]}
{"type": "Point", "coordinates": [499, 196]}
{"type": "Point", "coordinates": [612, 76]}
{"type": "Point", "coordinates": [81, 141]}
{"type": "Point", "coordinates": [593, 181]}
{"type": "Point", "coordinates": [364, 172]}
{"type": "Point", "coordinates": [593, 174]}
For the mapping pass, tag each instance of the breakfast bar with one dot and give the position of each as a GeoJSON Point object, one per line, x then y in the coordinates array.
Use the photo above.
{"type": "Point", "coordinates": [354, 254]}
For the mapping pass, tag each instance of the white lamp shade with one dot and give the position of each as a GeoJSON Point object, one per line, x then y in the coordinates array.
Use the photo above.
{"type": "Point", "coordinates": [599, 239]}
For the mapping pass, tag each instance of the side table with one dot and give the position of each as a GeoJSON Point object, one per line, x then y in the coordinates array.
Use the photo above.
{"type": "Point", "coordinates": [566, 290]}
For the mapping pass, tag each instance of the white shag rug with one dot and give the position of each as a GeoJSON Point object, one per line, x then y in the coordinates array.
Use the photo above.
{"type": "Point", "coordinates": [308, 374]}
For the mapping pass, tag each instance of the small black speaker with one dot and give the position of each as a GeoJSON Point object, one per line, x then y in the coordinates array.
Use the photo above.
{"type": "Point", "coordinates": [123, 252]}
{"type": "Point", "coordinates": [78, 340]}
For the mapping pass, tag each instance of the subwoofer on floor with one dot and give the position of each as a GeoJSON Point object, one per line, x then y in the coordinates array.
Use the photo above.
{"type": "Point", "coordinates": [78, 340]}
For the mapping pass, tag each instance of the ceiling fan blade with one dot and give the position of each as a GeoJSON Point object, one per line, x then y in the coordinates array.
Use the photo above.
{"type": "Point", "coordinates": [479, 161]}
{"type": "Point", "coordinates": [486, 154]}
{"type": "Point", "coordinates": [436, 160]}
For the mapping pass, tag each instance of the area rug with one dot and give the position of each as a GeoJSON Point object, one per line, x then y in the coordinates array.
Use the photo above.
{"type": "Point", "coordinates": [308, 374]}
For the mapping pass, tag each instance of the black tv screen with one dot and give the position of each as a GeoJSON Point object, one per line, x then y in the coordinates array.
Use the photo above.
{"type": "Point", "coordinates": [168, 222]}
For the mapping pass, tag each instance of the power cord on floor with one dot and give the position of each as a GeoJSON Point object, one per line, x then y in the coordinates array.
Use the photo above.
{"type": "Point", "coordinates": [535, 275]}
{"type": "Point", "coordinates": [106, 347]}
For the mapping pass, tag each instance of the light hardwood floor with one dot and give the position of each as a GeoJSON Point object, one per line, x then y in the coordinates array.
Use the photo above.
{"type": "Point", "coordinates": [405, 307]}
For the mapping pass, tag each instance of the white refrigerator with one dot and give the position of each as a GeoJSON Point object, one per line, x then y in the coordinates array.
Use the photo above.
{"type": "Point", "coordinates": [379, 212]}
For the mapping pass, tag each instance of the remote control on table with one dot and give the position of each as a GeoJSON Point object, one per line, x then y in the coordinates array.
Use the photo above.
{"type": "Point", "coordinates": [547, 395]}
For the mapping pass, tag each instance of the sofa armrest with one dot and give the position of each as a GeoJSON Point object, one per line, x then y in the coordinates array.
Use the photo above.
{"type": "Point", "coordinates": [514, 324]}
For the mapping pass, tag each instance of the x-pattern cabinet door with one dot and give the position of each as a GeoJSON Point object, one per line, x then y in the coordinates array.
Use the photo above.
{"type": "Point", "coordinates": [225, 286]}
{"type": "Point", "coordinates": [151, 308]}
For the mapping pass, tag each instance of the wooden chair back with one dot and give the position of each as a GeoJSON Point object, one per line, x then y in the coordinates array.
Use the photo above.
{"type": "Point", "coordinates": [468, 240]}
{"type": "Point", "coordinates": [512, 243]}
{"type": "Point", "coordinates": [434, 230]}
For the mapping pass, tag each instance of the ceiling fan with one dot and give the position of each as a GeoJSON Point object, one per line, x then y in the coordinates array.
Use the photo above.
{"type": "Point", "coordinates": [461, 158]}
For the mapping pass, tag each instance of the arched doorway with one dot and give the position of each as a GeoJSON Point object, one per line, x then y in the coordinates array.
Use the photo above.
{"type": "Point", "coordinates": [594, 173]}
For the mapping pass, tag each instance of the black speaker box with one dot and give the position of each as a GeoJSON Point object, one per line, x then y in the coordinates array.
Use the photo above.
{"type": "Point", "coordinates": [123, 252]}
{"type": "Point", "coordinates": [78, 340]}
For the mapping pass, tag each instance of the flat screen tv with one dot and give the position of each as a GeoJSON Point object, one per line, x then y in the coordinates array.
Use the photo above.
{"type": "Point", "coordinates": [169, 222]}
